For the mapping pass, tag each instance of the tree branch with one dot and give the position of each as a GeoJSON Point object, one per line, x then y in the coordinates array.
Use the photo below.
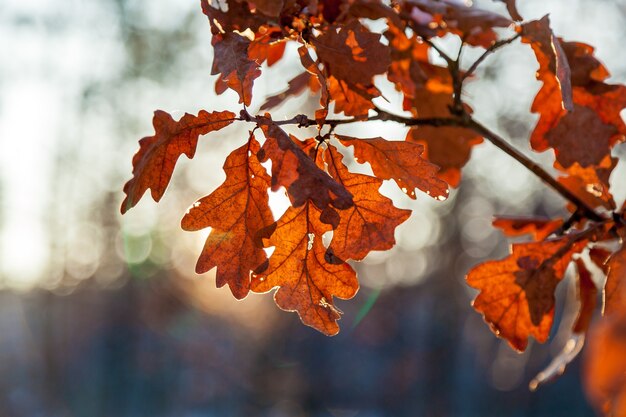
{"type": "Point", "coordinates": [492, 137]}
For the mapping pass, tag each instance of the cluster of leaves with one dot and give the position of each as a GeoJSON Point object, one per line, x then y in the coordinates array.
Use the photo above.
{"type": "Point", "coordinates": [579, 120]}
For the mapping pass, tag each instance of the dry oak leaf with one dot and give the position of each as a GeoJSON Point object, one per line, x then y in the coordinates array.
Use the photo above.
{"type": "Point", "coordinates": [238, 17]}
{"type": "Point", "coordinates": [369, 224]}
{"type": "Point", "coordinates": [553, 65]}
{"type": "Point", "coordinates": [539, 227]}
{"type": "Point", "coordinates": [587, 295]}
{"type": "Point", "coordinates": [267, 46]}
{"type": "Point", "coordinates": [447, 147]}
{"type": "Point", "coordinates": [604, 372]}
{"type": "Point", "coordinates": [293, 169]}
{"type": "Point", "coordinates": [352, 100]}
{"type": "Point", "coordinates": [400, 161]}
{"type": "Point", "coordinates": [306, 276]}
{"type": "Point", "coordinates": [615, 288]}
{"type": "Point", "coordinates": [475, 26]}
{"type": "Point", "coordinates": [235, 211]}
{"type": "Point", "coordinates": [154, 163]}
{"type": "Point", "coordinates": [351, 53]}
{"type": "Point", "coordinates": [295, 87]}
{"type": "Point", "coordinates": [516, 294]}
{"type": "Point", "coordinates": [591, 184]}
{"type": "Point", "coordinates": [230, 59]}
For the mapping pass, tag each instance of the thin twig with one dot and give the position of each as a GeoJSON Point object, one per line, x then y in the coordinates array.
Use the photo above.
{"type": "Point", "coordinates": [495, 46]}
{"type": "Point", "coordinates": [534, 168]}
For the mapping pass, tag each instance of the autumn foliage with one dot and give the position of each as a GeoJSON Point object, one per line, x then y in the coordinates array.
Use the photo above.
{"type": "Point", "coordinates": [341, 54]}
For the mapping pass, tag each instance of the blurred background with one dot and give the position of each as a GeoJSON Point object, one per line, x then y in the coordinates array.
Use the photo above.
{"type": "Point", "coordinates": [102, 315]}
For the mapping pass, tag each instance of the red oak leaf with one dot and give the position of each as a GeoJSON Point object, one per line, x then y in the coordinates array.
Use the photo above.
{"type": "Point", "coordinates": [587, 295]}
{"type": "Point", "coordinates": [306, 276]}
{"type": "Point", "coordinates": [554, 70]}
{"type": "Point", "coordinates": [517, 293]}
{"type": "Point", "coordinates": [370, 223]}
{"type": "Point", "coordinates": [231, 61]}
{"type": "Point", "coordinates": [293, 169]}
{"type": "Point", "coordinates": [352, 53]}
{"type": "Point", "coordinates": [539, 227]}
{"type": "Point", "coordinates": [235, 211]}
{"type": "Point", "coordinates": [615, 287]}
{"type": "Point", "coordinates": [154, 163]}
{"type": "Point", "coordinates": [400, 161]}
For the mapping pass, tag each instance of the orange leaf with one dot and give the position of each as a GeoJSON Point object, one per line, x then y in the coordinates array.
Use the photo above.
{"type": "Point", "coordinates": [293, 169]}
{"type": "Point", "coordinates": [231, 60]}
{"type": "Point", "coordinates": [369, 224]}
{"type": "Point", "coordinates": [306, 276]}
{"type": "Point", "coordinates": [400, 161]}
{"type": "Point", "coordinates": [154, 163]}
{"type": "Point", "coordinates": [235, 211]}
{"type": "Point", "coordinates": [447, 147]}
{"type": "Point", "coordinates": [605, 365]}
{"type": "Point", "coordinates": [553, 65]}
{"type": "Point", "coordinates": [615, 287]}
{"type": "Point", "coordinates": [587, 294]}
{"type": "Point", "coordinates": [539, 227]}
{"type": "Point", "coordinates": [517, 293]}
{"type": "Point", "coordinates": [351, 53]}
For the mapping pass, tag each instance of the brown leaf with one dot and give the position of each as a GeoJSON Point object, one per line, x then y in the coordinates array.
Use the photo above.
{"type": "Point", "coordinates": [615, 287]}
{"type": "Point", "coordinates": [553, 65]}
{"type": "Point", "coordinates": [475, 26]}
{"type": "Point", "coordinates": [605, 365]}
{"type": "Point", "coordinates": [235, 211]}
{"type": "Point", "coordinates": [448, 147]}
{"type": "Point", "coordinates": [517, 293]}
{"type": "Point", "coordinates": [352, 100]}
{"type": "Point", "coordinates": [580, 137]}
{"type": "Point", "coordinates": [400, 161]}
{"type": "Point", "coordinates": [231, 60]}
{"type": "Point", "coordinates": [539, 227]}
{"type": "Point", "coordinates": [307, 278]}
{"type": "Point", "coordinates": [267, 46]}
{"type": "Point", "coordinates": [591, 184]}
{"type": "Point", "coordinates": [312, 68]}
{"type": "Point", "coordinates": [351, 53]}
{"type": "Point", "coordinates": [587, 295]}
{"type": "Point", "coordinates": [154, 163]}
{"type": "Point", "coordinates": [298, 173]}
{"type": "Point", "coordinates": [369, 224]}
{"type": "Point", "coordinates": [600, 257]}
{"type": "Point", "coordinates": [238, 17]}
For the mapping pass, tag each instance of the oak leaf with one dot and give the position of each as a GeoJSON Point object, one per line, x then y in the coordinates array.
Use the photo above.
{"type": "Point", "coordinates": [554, 70]}
{"type": "Point", "coordinates": [306, 275]}
{"type": "Point", "coordinates": [615, 288]}
{"type": "Point", "coordinates": [475, 26]}
{"type": "Point", "coordinates": [370, 223]}
{"type": "Point", "coordinates": [448, 147]}
{"type": "Point", "coordinates": [293, 169]}
{"type": "Point", "coordinates": [400, 161]}
{"type": "Point", "coordinates": [539, 227]}
{"type": "Point", "coordinates": [587, 295]}
{"type": "Point", "coordinates": [352, 53]}
{"type": "Point", "coordinates": [154, 163]}
{"type": "Point", "coordinates": [235, 211]}
{"type": "Point", "coordinates": [230, 59]}
{"type": "Point", "coordinates": [517, 293]}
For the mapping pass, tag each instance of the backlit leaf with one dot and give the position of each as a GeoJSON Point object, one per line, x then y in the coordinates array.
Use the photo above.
{"type": "Point", "coordinates": [154, 163]}
{"type": "Point", "coordinates": [235, 211]}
